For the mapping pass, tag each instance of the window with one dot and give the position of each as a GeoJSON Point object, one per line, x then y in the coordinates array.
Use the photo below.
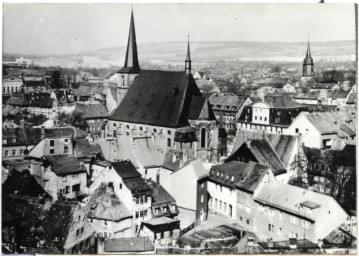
{"type": "Point", "coordinates": [247, 222]}
{"type": "Point", "coordinates": [120, 185]}
{"type": "Point", "coordinates": [270, 227]}
{"type": "Point", "coordinates": [66, 149]}
{"type": "Point", "coordinates": [305, 224]}
{"type": "Point", "coordinates": [52, 151]}
{"type": "Point", "coordinates": [202, 198]}
{"type": "Point", "coordinates": [21, 152]}
{"type": "Point", "coordinates": [46, 184]}
{"type": "Point", "coordinates": [294, 220]}
{"type": "Point", "coordinates": [203, 137]}
{"type": "Point", "coordinates": [265, 118]}
{"type": "Point", "coordinates": [202, 185]}
{"type": "Point", "coordinates": [14, 152]}
{"type": "Point", "coordinates": [168, 142]}
{"type": "Point", "coordinates": [137, 200]}
{"type": "Point", "coordinates": [220, 205]}
{"type": "Point", "coordinates": [64, 178]}
{"type": "Point", "coordinates": [215, 203]}
{"type": "Point", "coordinates": [6, 152]}
{"type": "Point", "coordinates": [52, 143]}
{"type": "Point", "coordinates": [296, 130]}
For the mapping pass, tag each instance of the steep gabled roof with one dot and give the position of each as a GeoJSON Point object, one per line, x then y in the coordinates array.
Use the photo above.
{"type": "Point", "coordinates": [105, 205]}
{"type": "Point", "coordinates": [126, 170]}
{"type": "Point", "coordinates": [284, 145]}
{"type": "Point", "coordinates": [247, 176]}
{"type": "Point", "coordinates": [64, 164]}
{"type": "Point", "coordinates": [89, 111]}
{"type": "Point", "coordinates": [200, 109]}
{"type": "Point", "coordinates": [339, 94]}
{"type": "Point", "coordinates": [160, 98]}
{"type": "Point", "coordinates": [159, 194]}
{"type": "Point", "coordinates": [23, 183]}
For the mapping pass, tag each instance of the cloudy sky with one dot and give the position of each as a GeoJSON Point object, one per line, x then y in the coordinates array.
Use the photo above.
{"type": "Point", "coordinates": [74, 28]}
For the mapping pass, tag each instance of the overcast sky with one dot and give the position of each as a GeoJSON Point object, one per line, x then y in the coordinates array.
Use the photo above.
{"type": "Point", "coordinates": [74, 28]}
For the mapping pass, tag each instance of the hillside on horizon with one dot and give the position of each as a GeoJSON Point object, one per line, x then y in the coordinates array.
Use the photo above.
{"type": "Point", "coordinates": [201, 51]}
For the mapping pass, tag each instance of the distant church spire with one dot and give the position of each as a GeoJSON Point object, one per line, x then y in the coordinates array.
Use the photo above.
{"type": "Point", "coordinates": [131, 60]}
{"type": "Point", "coordinates": [308, 63]}
{"type": "Point", "coordinates": [308, 48]}
{"type": "Point", "coordinates": [188, 61]}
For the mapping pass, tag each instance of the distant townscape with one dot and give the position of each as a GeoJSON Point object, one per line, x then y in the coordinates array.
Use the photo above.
{"type": "Point", "coordinates": [226, 155]}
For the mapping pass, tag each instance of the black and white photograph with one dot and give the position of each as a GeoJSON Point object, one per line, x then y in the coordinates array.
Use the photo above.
{"type": "Point", "coordinates": [179, 128]}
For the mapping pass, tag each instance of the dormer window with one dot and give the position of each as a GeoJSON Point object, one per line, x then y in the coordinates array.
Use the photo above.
{"type": "Point", "coordinates": [14, 140]}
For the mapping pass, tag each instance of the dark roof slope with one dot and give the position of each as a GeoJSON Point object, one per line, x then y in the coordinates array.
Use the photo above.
{"type": "Point", "coordinates": [159, 194]}
{"type": "Point", "coordinates": [24, 184]}
{"type": "Point", "coordinates": [84, 149]}
{"type": "Point", "coordinates": [126, 170]}
{"type": "Point", "coordinates": [64, 164]}
{"type": "Point", "coordinates": [246, 175]}
{"type": "Point", "coordinates": [201, 109]}
{"type": "Point", "coordinates": [89, 111]}
{"type": "Point", "coordinates": [160, 98]}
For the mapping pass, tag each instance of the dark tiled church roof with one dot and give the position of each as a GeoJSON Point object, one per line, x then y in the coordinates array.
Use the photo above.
{"type": "Point", "coordinates": [160, 98]}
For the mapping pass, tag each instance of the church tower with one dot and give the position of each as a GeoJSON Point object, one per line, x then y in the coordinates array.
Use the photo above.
{"type": "Point", "coordinates": [128, 73]}
{"type": "Point", "coordinates": [308, 64]}
{"type": "Point", "coordinates": [188, 61]}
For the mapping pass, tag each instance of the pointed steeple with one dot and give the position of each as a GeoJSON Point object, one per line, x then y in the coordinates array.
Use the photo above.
{"type": "Point", "coordinates": [308, 48]}
{"type": "Point", "coordinates": [188, 61]}
{"type": "Point", "coordinates": [131, 60]}
{"type": "Point", "coordinates": [188, 57]}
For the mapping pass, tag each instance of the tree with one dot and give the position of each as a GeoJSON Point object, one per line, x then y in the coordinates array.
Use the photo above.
{"type": "Point", "coordinates": [56, 82]}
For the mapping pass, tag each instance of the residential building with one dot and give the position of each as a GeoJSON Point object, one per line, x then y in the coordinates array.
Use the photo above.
{"type": "Point", "coordinates": [107, 214]}
{"type": "Point", "coordinates": [327, 130]}
{"type": "Point", "coordinates": [162, 231]}
{"type": "Point", "coordinates": [130, 187]}
{"type": "Point", "coordinates": [227, 109]}
{"type": "Point", "coordinates": [63, 176]}
{"type": "Point", "coordinates": [273, 115]}
{"type": "Point", "coordinates": [95, 115]}
{"type": "Point", "coordinates": [11, 84]}
{"type": "Point", "coordinates": [275, 150]}
{"type": "Point", "coordinates": [270, 209]}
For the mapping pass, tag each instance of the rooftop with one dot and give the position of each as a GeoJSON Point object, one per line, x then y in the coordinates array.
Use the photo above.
{"type": "Point", "coordinates": [246, 175]}
{"type": "Point", "coordinates": [130, 244]}
{"type": "Point", "coordinates": [160, 98]}
{"type": "Point", "coordinates": [64, 164]}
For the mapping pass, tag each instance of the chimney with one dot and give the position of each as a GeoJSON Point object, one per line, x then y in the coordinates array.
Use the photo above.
{"type": "Point", "coordinates": [185, 157]}
{"type": "Point", "coordinates": [42, 132]}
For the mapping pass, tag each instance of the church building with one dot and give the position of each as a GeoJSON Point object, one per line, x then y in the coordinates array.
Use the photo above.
{"type": "Point", "coordinates": [160, 104]}
{"type": "Point", "coordinates": [308, 66]}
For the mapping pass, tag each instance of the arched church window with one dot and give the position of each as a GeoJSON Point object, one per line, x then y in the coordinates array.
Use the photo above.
{"type": "Point", "coordinates": [203, 137]}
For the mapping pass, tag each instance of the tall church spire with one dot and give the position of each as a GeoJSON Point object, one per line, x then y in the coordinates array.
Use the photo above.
{"type": "Point", "coordinates": [131, 60]}
{"type": "Point", "coordinates": [308, 48]}
{"type": "Point", "coordinates": [188, 61]}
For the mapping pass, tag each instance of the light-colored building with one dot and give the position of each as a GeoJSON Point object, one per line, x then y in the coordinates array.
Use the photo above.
{"type": "Point", "coordinates": [11, 84]}
{"type": "Point", "coordinates": [327, 130]}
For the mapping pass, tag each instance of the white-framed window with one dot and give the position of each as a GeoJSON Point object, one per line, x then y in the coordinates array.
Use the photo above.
{"type": "Point", "coordinates": [305, 224]}
{"type": "Point", "coordinates": [14, 152]}
{"type": "Point", "coordinates": [294, 220]}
